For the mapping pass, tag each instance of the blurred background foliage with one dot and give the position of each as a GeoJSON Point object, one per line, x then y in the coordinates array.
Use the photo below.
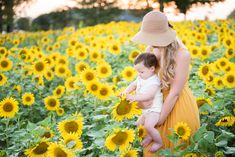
{"type": "Point", "coordinates": [88, 13]}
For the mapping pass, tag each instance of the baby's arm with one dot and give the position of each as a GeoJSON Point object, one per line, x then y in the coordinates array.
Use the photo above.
{"type": "Point", "coordinates": [129, 88]}
{"type": "Point", "coordinates": [144, 97]}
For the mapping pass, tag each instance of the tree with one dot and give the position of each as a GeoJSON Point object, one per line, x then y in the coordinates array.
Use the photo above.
{"type": "Point", "coordinates": [183, 6]}
{"type": "Point", "coordinates": [7, 12]}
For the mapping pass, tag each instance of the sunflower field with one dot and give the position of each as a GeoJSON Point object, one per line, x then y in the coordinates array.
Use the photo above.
{"type": "Point", "coordinates": [59, 91]}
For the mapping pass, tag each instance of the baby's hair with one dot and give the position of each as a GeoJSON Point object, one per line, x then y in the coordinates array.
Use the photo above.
{"type": "Point", "coordinates": [148, 60]}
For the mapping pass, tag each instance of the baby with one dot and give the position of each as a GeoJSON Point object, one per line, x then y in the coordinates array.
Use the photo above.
{"type": "Point", "coordinates": [148, 93]}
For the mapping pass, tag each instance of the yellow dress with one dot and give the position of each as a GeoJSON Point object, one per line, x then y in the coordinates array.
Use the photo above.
{"type": "Point", "coordinates": [185, 110]}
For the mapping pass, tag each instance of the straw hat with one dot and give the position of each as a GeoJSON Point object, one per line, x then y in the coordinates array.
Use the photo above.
{"type": "Point", "coordinates": [155, 30]}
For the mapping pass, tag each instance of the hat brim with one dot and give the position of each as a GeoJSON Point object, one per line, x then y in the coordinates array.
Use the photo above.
{"type": "Point", "coordinates": [155, 39]}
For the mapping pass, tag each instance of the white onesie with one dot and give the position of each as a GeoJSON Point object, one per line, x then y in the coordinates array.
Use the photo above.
{"type": "Point", "coordinates": [144, 85]}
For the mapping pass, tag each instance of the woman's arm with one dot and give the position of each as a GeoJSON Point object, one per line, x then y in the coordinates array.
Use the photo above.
{"type": "Point", "coordinates": [180, 78]}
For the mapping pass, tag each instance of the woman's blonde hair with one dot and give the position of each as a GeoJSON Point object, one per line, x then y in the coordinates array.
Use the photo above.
{"type": "Point", "coordinates": [168, 63]}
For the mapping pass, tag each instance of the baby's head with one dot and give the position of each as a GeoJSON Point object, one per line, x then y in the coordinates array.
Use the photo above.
{"type": "Point", "coordinates": [146, 64]}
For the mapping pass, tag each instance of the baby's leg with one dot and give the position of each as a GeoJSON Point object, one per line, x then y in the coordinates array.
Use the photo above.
{"type": "Point", "coordinates": [151, 120]}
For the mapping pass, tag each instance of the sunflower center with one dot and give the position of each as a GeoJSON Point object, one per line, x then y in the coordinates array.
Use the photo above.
{"type": "Point", "coordinates": [115, 48]}
{"type": "Point", "coordinates": [8, 107]}
{"type": "Point", "coordinates": [95, 55]}
{"type": "Point", "coordinates": [58, 91]}
{"type": "Point", "coordinates": [230, 79]}
{"type": "Point", "coordinates": [127, 155]}
{"type": "Point", "coordinates": [49, 74]}
{"type": "Point", "coordinates": [230, 51]}
{"type": "Point", "coordinates": [62, 70]}
{"type": "Point", "coordinates": [71, 127]}
{"type": "Point", "coordinates": [39, 66]}
{"type": "Point", "coordinates": [123, 108]}
{"type": "Point", "coordinates": [58, 152]}
{"type": "Point", "coordinates": [141, 132]}
{"type": "Point", "coordinates": [103, 91]}
{"type": "Point", "coordinates": [128, 73]}
{"type": "Point", "coordinates": [4, 64]}
{"type": "Point", "coordinates": [2, 51]}
{"type": "Point", "coordinates": [204, 52]}
{"type": "Point", "coordinates": [104, 70]}
{"type": "Point", "coordinates": [82, 67]}
{"type": "Point", "coordinates": [41, 148]}
{"type": "Point", "coordinates": [81, 54]}
{"type": "Point", "coordinates": [62, 61]}
{"type": "Point", "coordinates": [47, 134]}
{"type": "Point", "coordinates": [71, 84]}
{"type": "Point", "coordinates": [180, 131]}
{"type": "Point", "coordinates": [89, 76]}
{"type": "Point", "coordinates": [120, 138]}
{"type": "Point", "coordinates": [1, 78]}
{"type": "Point", "coordinates": [219, 82]}
{"type": "Point", "coordinates": [94, 87]}
{"type": "Point", "coordinates": [201, 102]}
{"type": "Point", "coordinates": [228, 42]}
{"type": "Point", "coordinates": [194, 52]}
{"type": "Point", "coordinates": [205, 70]}
{"type": "Point", "coordinates": [28, 98]}
{"type": "Point", "coordinates": [52, 102]}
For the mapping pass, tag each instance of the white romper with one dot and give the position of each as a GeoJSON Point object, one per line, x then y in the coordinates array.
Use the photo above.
{"type": "Point", "coordinates": [144, 85]}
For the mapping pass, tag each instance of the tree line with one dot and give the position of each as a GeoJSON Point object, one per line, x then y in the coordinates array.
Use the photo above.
{"type": "Point", "coordinates": [98, 7]}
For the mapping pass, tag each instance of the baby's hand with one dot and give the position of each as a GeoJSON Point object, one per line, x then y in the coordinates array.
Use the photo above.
{"type": "Point", "coordinates": [131, 98]}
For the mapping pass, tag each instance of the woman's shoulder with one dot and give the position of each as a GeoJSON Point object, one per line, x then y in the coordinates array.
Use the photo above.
{"type": "Point", "coordinates": [183, 55]}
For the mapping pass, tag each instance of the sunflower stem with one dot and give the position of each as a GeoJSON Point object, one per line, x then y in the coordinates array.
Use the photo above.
{"type": "Point", "coordinates": [6, 131]}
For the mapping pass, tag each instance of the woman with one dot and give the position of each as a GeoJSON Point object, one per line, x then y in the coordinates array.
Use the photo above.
{"type": "Point", "coordinates": [179, 103]}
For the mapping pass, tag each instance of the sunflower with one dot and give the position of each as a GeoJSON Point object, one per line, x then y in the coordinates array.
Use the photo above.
{"type": "Point", "coordinates": [229, 79]}
{"type": "Point", "coordinates": [182, 130]}
{"type": "Point", "coordinates": [49, 75]}
{"type": "Point", "coordinates": [141, 132]}
{"type": "Point", "coordinates": [47, 134]}
{"type": "Point", "coordinates": [93, 87]}
{"type": "Point", "coordinates": [62, 60]}
{"type": "Point", "coordinates": [49, 61]}
{"type": "Point", "coordinates": [210, 91]}
{"type": "Point", "coordinates": [60, 111]}
{"type": "Point", "coordinates": [88, 75]}
{"type": "Point", "coordinates": [104, 70]}
{"type": "Point", "coordinates": [3, 79]}
{"type": "Point", "coordinates": [8, 107]}
{"type": "Point", "coordinates": [40, 150]}
{"type": "Point", "coordinates": [51, 103]}
{"type": "Point", "coordinates": [71, 126]}
{"type": "Point", "coordinates": [120, 138]}
{"type": "Point", "coordinates": [105, 91]}
{"type": "Point", "coordinates": [227, 41]}
{"type": "Point", "coordinates": [3, 51]}
{"type": "Point", "coordinates": [28, 99]}
{"type": "Point", "coordinates": [58, 150]}
{"type": "Point", "coordinates": [194, 51]}
{"type": "Point", "coordinates": [218, 82]}
{"type": "Point", "coordinates": [201, 101]}
{"type": "Point", "coordinates": [70, 83]}
{"type": "Point", "coordinates": [226, 121]}
{"type": "Point", "coordinates": [72, 141]}
{"type": "Point", "coordinates": [115, 48]}
{"type": "Point", "coordinates": [39, 67]}
{"type": "Point", "coordinates": [5, 64]}
{"type": "Point", "coordinates": [209, 80]}
{"type": "Point", "coordinates": [17, 88]}
{"type": "Point", "coordinates": [61, 70]}
{"type": "Point", "coordinates": [133, 55]}
{"type": "Point", "coordinates": [219, 154]}
{"type": "Point", "coordinates": [128, 73]}
{"type": "Point", "coordinates": [95, 56]}
{"type": "Point", "coordinates": [129, 153]}
{"type": "Point", "coordinates": [73, 42]}
{"type": "Point", "coordinates": [204, 70]}
{"type": "Point", "coordinates": [59, 91]}
{"type": "Point", "coordinates": [81, 66]}
{"type": "Point", "coordinates": [125, 109]}
{"type": "Point", "coordinates": [222, 63]}
{"type": "Point", "coordinates": [116, 79]}
{"type": "Point", "coordinates": [230, 53]}
{"type": "Point", "coordinates": [204, 52]}
{"type": "Point", "coordinates": [190, 155]}
{"type": "Point", "coordinates": [81, 54]}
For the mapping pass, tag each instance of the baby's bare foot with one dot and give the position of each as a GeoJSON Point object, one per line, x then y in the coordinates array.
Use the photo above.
{"type": "Point", "coordinates": [146, 141]}
{"type": "Point", "coordinates": [155, 147]}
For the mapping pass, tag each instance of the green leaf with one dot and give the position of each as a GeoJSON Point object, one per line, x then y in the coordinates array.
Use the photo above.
{"type": "Point", "coordinates": [71, 144]}
{"type": "Point", "coordinates": [198, 135]}
{"type": "Point", "coordinates": [229, 150]}
{"type": "Point", "coordinates": [209, 136]}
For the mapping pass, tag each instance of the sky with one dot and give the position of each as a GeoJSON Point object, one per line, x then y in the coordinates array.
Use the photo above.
{"type": "Point", "coordinates": [218, 11]}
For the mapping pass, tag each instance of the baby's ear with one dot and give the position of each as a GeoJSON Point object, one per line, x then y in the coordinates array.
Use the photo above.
{"type": "Point", "coordinates": [153, 68]}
